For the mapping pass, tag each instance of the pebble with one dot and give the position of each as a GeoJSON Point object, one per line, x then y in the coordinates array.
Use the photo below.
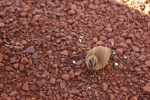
{"type": "Point", "coordinates": [119, 51]}
{"type": "Point", "coordinates": [65, 77]}
{"type": "Point", "coordinates": [74, 91]}
{"type": "Point", "coordinates": [71, 12]}
{"type": "Point", "coordinates": [24, 42]}
{"type": "Point", "coordinates": [53, 80]}
{"type": "Point", "coordinates": [111, 96]}
{"type": "Point", "coordinates": [138, 69]}
{"type": "Point", "coordinates": [102, 38]}
{"type": "Point", "coordinates": [147, 63]}
{"type": "Point", "coordinates": [135, 80]}
{"type": "Point", "coordinates": [104, 86]}
{"type": "Point", "coordinates": [136, 49]}
{"type": "Point", "coordinates": [1, 86]}
{"type": "Point", "coordinates": [35, 56]}
{"type": "Point", "coordinates": [24, 61]}
{"type": "Point", "coordinates": [95, 39]}
{"type": "Point", "coordinates": [49, 52]}
{"type": "Point", "coordinates": [79, 62]}
{"type": "Point", "coordinates": [25, 86]}
{"type": "Point", "coordinates": [146, 90]}
{"type": "Point", "coordinates": [30, 49]}
{"type": "Point", "coordinates": [8, 68]}
{"type": "Point", "coordinates": [2, 25]}
{"type": "Point", "coordinates": [65, 52]}
{"type": "Point", "coordinates": [108, 29]}
{"type": "Point", "coordinates": [13, 93]}
{"type": "Point", "coordinates": [123, 44]}
{"type": "Point", "coordinates": [77, 73]}
{"type": "Point", "coordinates": [21, 67]}
{"type": "Point", "coordinates": [1, 41]}
{"type": "Point", "coordinates": [62, 85]}
{"type": "Point", "coordinates": [73, 7]}
{"type": "Point", "coordinates": [36, 17]}
{"type": "Point", "coordinates": [133, 98]}
{"type": "Point", "coordinates": [1, 57]}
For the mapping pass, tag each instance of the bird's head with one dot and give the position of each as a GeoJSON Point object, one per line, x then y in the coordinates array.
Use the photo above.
{"type": "Point", "coordinates": [92, 61]}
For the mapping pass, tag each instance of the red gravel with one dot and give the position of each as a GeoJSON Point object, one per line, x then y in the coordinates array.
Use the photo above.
{"type": "Point", "coordinates": [43, 44]}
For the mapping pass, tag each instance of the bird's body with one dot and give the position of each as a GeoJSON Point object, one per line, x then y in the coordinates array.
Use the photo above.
{"type": "Point", "coordinates": [98, 55]}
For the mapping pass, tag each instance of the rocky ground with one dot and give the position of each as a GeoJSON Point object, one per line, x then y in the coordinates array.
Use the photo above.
{"type": "Point", "coordinates": [43, 44]}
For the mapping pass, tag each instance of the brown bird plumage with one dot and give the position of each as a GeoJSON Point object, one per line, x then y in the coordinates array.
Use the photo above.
{"type": "Point", "coordinates": [97, 58]}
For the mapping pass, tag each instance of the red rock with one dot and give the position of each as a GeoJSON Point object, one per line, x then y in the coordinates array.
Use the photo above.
{"type": "Point", "coordinates": [79, 62]}
{"type": "Point", "coordinates": [55, 65]}
{"type": "Point", "coordinates": [124, 89]}
{"type": "Point", "coordinates": [123, 44]}
{"type": "Point", "coordinates": [1, 41]}
{"type": "Point", "coordinates": [77, 73]}
{"type": "Point", "coordinates": [108, 29]}
{"type": "Point", "coordinates": [147, 63]}
{"type": "Point", "coordinates": [71, 73]}
{"type": "Point", "coordinates": [104, 86]}
{"type": "Point", "coordinates": [19, 85]}
{"type": "Point", "coordinates": [8, 68]}
{"type": "Point", "coordinates": [49, 52]}
{"type": "Point", "coordinates": [25, 86]}
{"type": "Point", "coordinates": [1, 57]}
{"type": "Point", "coordinates": [23, 14]}
{"type": "Point", "coordinates": [2, 25]}
{"type": "Point", "coordinates": [111, 96]}
{"type": "Point", "coordinates": [146, 90]}
{"type": "Point", "coordinates": [65, 77]}
{"type": "Point", "coordinates": [138, 69]}
{"type": "Point", "coordinates": [131, 36]}
{"type": "Point", "coordinates": [136, 49]}
{"type": "Point", "coordinates": [65, 52]}
{"type": "Point", "coordinates": [102, 38]}
{"type": "Point", "coordinates": [35, 55]}
{"type": "Point", "coordinates": [36, 17]}
{"type": "Point", "coordinates": [73, 7]}
{"type": "Point", "coordinates": [1, 86]}
{"type": "Point", "coordinates": [13, 93]}
{"type": "Point", "coordinates": [24, 42]}
{"type": "Point", "coordinates": [133, 98]}
{"type": "Point", "coordinates": [95, 39]}
{"type": "Point", "coordinates": [119, 51]}
{"type": "Point", "coordinates": [30, 49]}
{"type": "Point", "coordinates": [53, 80]}
{"type": "Point", "coordinates": [24, 61]}
{"type": "Point", "coordinates": [71, 12]}
{"type": "Point", "coordinates": [135, 80]}
{"type": "Point", "coordinates": [62, 85]}
{"type": "Point", "coordinates": [74, 91]}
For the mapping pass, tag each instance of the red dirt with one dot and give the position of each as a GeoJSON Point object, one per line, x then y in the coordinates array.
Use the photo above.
{"type": "Point", "coordinates": [43, 44]}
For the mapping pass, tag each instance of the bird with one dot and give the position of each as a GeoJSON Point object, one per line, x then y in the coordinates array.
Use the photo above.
{"type": "Point", "coordinates": [98, 57]}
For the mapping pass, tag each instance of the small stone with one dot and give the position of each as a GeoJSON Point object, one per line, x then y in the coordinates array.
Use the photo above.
{"type": "Point", "coordinates": [53, 80]}
{"type": "Point", "coordinates": [25, 86]}
{"type": "Point", "coordinates": [108, 29]}
{"type": "Point", "coordinates": [49, 52]}
{"type": "Point", "coordinates": [65, 52]}
{"type": "Point", "coordinates": [95, 39]}
{"type": "Point", "coordinates": [30, 49]}
{"type": "Point", "coordinates": [102, 38]}
{"type": "Point", "coordinates": [1, 86]}
{"type": "Point", "coordinates": [71, 12]}
{"type": "Point", "coordinates": [77, 73]}
{"type": "Point", "coordinates": [24, 61]}
{"type": "Point", "coordinates": [104, 86]}
{"type": "Point", "coordinates": [71, 73]}
{"type": "Point", "coordinates": [8, 68]}
{"type": "Point", "coordinates": [65, 77]}
{"type": "Point", "coordinates": [146, 90]}
{"type": "Point", "coordinates": [1, 41]}
{"type": "Point", "coordinates": [136, 49]}
{"type": "Point", "coordinates": [62, 85]}
{"type": "Point", "coordinates": [147, 63]}
{"type": "Point", "coordinates": [73, 7]}
{"type": "Point", "coordinates": [79, 62]}
{"type": "Point", "coordinates": [35, 55]}
{"type": "Point", "coordinates": [2, 25]}
{"type": "Point", "coordinates": [74, 91]}
{"type": "Point", "coordinates": [119, 51]}
{"type": "Point", "coordinates": [1, 57]}
{"type": "Point", "coordinates": [21, 67]}
{"type": "Point", "coordinates": [13, 93]}
{"type": "Point", "coordinates": [111, 96]}
{"type": "Point", "coordinates": [42, 93]}
{"type": "Point", "coordinates": [19, 85]}
{"type": "Point", "coordinates": [36, 17]}
{"type": "Point", "coordinates": [24, 42]}
{"type": "Point", "coordinates": [124, 89]}
{"type": "Point", "coordinates": [123, 44]}
{"type": "Point", "coordinates": [133, 98]}
{"type": "Point", "coordinates": [135, 80]}
{"type": "Point", "coordinates": [138, 69]}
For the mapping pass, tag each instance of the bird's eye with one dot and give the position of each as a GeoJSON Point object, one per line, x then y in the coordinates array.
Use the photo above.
{"type": "Point", "coordinates": [90, 63]}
